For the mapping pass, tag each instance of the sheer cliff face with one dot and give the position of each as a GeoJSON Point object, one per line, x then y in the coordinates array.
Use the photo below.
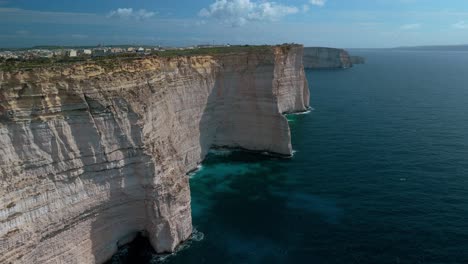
{"type": "Point", "coordinates": [326, 58]}
{"type": "Point", "coordinates": [91, 155]}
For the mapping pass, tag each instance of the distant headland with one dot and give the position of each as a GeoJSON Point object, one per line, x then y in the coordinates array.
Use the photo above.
{"type": "Point", "coordinates": [463, 47]}
{"type": "Point", "coordinates": [329, 58]}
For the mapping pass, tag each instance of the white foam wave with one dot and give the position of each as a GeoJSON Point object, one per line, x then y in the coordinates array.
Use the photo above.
{"type": "Point", "coordinates": [197, 236]}
{"type": "Point", "coordinates": [194, 172]}
{"type": "Point", "coordinates": [305, 112]}
{"type": "Point", "coordinates": [220, 152]}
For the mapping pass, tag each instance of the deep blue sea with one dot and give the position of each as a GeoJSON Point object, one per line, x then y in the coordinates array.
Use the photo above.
{"type": "Point", "coordinates": [380, 173]}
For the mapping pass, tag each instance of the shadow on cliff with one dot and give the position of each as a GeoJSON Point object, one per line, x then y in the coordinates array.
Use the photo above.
{"type": "Point", "coordinates": [242, 111]}
{"type": "Point", "coordinates": [116, 173]}
{"type": "Point", "coordinates": [212, 116]}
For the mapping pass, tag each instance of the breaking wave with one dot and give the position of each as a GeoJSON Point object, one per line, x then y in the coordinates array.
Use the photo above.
{"type": "Point", "coordinates": [220, 152]}
{"type": "Point", "coordinates": [197, 236]}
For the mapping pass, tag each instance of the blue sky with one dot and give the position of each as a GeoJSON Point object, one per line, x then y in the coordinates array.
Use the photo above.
{"type": "Point", "coordinates": [337, 23]}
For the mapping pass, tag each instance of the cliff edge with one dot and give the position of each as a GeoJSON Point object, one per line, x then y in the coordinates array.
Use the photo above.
{"type": "Point", "coordinates": [92, 153]}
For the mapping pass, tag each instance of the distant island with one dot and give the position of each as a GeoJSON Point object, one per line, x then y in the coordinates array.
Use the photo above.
{"type": "Point", "coordinates": [436, 48]}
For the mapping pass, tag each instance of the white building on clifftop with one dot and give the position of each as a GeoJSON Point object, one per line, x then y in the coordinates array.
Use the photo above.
{"type": "Point", "coordinates": [72, 53]}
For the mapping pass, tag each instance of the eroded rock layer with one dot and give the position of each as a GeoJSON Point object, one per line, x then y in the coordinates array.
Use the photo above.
{"type": "Point", "coordinates": [91, 154]}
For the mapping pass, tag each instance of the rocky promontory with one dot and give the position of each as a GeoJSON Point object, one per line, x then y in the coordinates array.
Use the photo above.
{"type": "Point", "coordinates": [329, 58]}
{"type": "Point", "coordinates": [92, 153]}
{"type": "Point", "coordinates": [357, 60]}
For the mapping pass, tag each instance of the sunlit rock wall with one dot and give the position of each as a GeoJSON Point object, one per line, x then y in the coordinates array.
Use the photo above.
{"type": "Point", "coordinates": [91, 154]}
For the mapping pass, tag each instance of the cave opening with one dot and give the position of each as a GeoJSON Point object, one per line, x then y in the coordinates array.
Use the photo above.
{"type": "Point", "coordinates": [139, 250]}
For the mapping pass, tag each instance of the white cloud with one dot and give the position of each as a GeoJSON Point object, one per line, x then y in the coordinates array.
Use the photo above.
{"type": "Point", "coordinates": [318, 2]}
{"type": "Point", "coordinates": [127, 13]}
{"type": "Point", "coordinates": [239, 12]}
{"type": "Point", "coordinates": [411, 26]}
{"type": "Point", "coordinates": [305, 8]}
{"type": "Point", "coordinates": [460, 25]}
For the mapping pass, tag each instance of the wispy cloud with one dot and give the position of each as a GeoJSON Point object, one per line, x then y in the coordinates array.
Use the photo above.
{"type": "Point", "coordinates": [411, 26]}
{"type": "Point", "coordinates": [305, 8]}
{"type": "Point", "coordinates": [318, 2]}
{"type": "Point", "coordinates": [129, 13]}
{"type": "Point", "coordinates": [460, 25]}
{"type": "Point", "coordinates": [239, 12]}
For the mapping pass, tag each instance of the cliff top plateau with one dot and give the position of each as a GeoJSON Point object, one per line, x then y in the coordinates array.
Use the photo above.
{"type": "Point", "coordinates": [113, 60]}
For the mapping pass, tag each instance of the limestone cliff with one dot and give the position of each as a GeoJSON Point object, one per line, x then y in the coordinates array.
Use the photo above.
{"type": "Point", "coordinates": [326, 58]}
{"type": "Point", "coordinates": [91, 154]}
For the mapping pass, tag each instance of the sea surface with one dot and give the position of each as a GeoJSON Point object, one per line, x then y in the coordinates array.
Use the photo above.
{"type": "Point", "coordinates": [379, 175]}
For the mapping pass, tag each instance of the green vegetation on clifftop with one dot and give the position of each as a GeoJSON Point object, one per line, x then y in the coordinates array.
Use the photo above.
{"type": "Point", "coordinates": [113, 60]}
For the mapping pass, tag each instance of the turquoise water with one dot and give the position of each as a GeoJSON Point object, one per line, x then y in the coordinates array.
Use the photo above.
{"type": "Point", "coordinates": [380, 173]}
